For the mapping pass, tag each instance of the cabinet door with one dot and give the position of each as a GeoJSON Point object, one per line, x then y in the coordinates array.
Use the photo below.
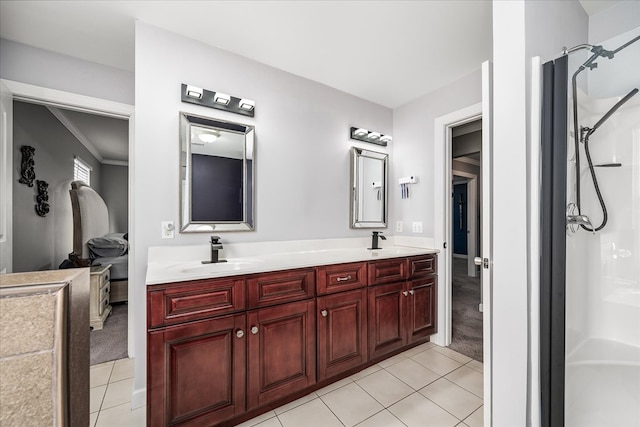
{"type": "Point", "coordinates": [342, 332]}
{"type": "Point", "coordinates": [387, 330]}
{"type": "Point", "coordinates": [281, 351]}
{"type": "Point", "coordinates": [422, 310]}
{"type": "Point", "coordinates": [196, 372]}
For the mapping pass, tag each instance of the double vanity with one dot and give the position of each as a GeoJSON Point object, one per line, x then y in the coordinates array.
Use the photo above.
{"type": "Point", "coordinates": [228, 341]}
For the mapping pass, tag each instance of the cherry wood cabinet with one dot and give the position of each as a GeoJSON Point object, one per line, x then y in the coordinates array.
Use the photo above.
{"type": "Point", "coordinates": [281, 351]}
{"type": "Point", "coordinates": [403, 312]}
{"type": "Point", "coordinates": [196, 372]}
{"type": "Point", "coordinates": [422, 312]}
{"type": "Point", "coordinates": [217, 348]}
{"type": "Point", "coordinates": [342, 332]}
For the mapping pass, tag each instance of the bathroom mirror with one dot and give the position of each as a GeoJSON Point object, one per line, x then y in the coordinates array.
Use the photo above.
{"type": "Point", "coordinates": [216, 175]}
{"type": "Point", "coordinates": [369, 171]}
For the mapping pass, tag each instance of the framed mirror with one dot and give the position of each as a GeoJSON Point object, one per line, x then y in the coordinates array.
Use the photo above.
{"type": "Point", "coordinates": [217, 175]}
{"type": "Point", "coordinates": [369, 185]}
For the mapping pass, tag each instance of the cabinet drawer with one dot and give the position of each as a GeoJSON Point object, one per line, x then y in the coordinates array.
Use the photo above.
{"type": "Point", "coordinates": [284, 286]}
{"type": "Point", "coordinates": [104, 290]}
{"type": "Point", "coordinates": [188, 301]}
{"type": "Point", "coordinates": [423, 265]}
{"type": "Point", "coordinates": [387, 271]}
{"type": "Point", "coordinates": [342, 277]}
{"type": "Point", "coordinates": [103, 305]}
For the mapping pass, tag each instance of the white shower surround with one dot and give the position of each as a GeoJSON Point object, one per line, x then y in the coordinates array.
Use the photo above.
{"type": "Point", "coordinates": [603, 270]}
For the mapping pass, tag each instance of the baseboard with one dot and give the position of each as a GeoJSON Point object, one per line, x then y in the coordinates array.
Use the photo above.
{"type": "Point", "coordinates": [139, 398]}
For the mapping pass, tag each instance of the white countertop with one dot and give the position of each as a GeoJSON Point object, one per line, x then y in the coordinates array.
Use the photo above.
{"type": "Point", "coordinates": [167, 264]}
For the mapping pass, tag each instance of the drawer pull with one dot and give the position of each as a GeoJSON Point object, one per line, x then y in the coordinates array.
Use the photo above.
{"type": "Point", "coordinates": [324, 313]}
{"type": "Point", "coordinates": [254, 330]}
{"type": "Point", "coordinates": [405, 293]}
{"type": "Point", "coordinates": [411, 292]}
{"type": "Point", "coordinates": [240, 333]}
{"type": "Point", "coordinates": [343, 279]}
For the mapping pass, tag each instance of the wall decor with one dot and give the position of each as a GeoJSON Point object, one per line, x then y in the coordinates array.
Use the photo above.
{"type": "Point", "coordinates": [27, 173]}
{"type": "Point", "coordinates": [42, 207]}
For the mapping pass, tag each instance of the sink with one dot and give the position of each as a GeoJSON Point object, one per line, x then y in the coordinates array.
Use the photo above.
{"type": "Point", "coordinates": [230, 265]}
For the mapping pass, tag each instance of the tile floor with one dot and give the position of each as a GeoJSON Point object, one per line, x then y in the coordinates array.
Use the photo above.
{"type": "Point", "coordinates": [425, 386]}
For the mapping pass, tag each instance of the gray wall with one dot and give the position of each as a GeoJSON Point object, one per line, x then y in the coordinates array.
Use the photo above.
{"type": "Point", "coordinates": [302, 148]}
{"type": "Point", "coordinates": [413, 149]}
{"type": "Point", "coordinates": [42, 243]}
{"type": "Point", "coordinates": [466, 144]}
{"type": "Point", "coordinates": [115, 193]}
{"type": "Point", "coordinates": [52, 70]}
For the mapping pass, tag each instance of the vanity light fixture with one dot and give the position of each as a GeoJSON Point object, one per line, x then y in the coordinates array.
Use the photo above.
{"type": "Point", "coordinates": [194, 92]}
{"type": "Point", "coordinates": [221, 98]}
{"type": "Point", "coordinates": [218, 100]}
{"type": "Point", "coordinates": [247, 104]}
{"type": "Point", "coordinates": [362, 134]}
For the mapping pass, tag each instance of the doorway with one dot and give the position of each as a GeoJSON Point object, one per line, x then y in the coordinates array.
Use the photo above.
{"type": "Point", "coordinates": [15, 91]}
{"type": "Point", "coordinates": [466, 290]}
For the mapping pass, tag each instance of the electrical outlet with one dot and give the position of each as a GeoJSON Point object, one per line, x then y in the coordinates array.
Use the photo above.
{"type": "Point", "coordinates": [168, 230]}
{"type": "Point", "coordinates": [399, 227]}
{"type": "Point", "coordinates": [416, 226]}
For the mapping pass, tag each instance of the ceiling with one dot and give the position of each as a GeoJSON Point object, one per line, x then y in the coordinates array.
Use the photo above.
{"type": "Point", "coordinates": [387, 52]}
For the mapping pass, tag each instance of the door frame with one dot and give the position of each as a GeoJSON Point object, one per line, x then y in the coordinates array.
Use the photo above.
{"type": "Point", "coordinates": [46, 96]}
{"type": "Point", "coordinates": [442, 206]}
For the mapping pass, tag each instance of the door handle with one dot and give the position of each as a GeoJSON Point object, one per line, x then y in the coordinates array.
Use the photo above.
{"type": "Point", "coordinates": [484, 262]}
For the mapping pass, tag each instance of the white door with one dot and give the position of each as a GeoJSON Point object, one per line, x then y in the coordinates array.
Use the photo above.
{"type": "Point", "coordinates": [487, 230]}
{"type": "Point", "coordinates": [6, 181]}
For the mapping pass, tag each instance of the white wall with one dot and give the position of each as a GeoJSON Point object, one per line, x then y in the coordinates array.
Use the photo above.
{"type": "Point", "coordinates": [302, 149]}
{"type": "Point", "coordinates": [619, 18]}
{"type": "Point", "coordinates": [522, 30]}
{"type": "Point", "coordinates": [26, 64]}
{"type": "Point", "coordinates": [413, 150]}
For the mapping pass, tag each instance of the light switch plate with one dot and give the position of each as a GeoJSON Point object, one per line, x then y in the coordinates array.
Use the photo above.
{"type": "Point", "coordinates": [398, 226]}
{"type": "Point", "coordinates": [168, 230]}
{"type": "Point", "coordinates": [416, 226]}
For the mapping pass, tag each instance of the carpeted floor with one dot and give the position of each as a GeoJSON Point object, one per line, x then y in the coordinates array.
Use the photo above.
{"type": "Point", "coordinates": [110, 343]}
{"type": "Point", "coordinates": [466, 319]}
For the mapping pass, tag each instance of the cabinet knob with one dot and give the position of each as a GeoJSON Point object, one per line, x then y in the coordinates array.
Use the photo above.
{"type": "Point", "coordinates": [324, 313]}
{"type": "Point", "coordinates": [405, 293]}
{"type": "Point", "coordinates": [254, 330]}
{"type": "Point", "coordinates": [411, 292]}
{"type": "Point", "coordinates": [239, 333]}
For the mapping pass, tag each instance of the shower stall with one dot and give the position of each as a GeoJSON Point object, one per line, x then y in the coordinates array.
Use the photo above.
{"type": "Point", "coordinates": [590, 260]}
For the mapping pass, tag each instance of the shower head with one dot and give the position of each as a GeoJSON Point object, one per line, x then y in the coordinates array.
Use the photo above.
{"type": "Point", "coordinates": [613, 110]}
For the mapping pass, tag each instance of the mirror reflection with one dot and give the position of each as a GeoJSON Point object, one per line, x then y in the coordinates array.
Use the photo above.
{"type": "Point", "coordinates": [217, 170]}
{"type": "Point", "coordinates": [369, 171]}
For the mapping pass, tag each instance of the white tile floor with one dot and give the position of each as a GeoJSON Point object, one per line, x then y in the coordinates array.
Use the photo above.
{"type": "Point", "coordinates": [425, 386]}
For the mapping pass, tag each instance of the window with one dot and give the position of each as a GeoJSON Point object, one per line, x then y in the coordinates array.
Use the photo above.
{"type": "Point", "coordinates": [81, 171]}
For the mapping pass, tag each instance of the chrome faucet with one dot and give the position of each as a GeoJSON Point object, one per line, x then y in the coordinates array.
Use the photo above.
{"type": "Point", "coordinates": [374, 239]}
{"type": "Point", "coordinates": [215, 247]}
